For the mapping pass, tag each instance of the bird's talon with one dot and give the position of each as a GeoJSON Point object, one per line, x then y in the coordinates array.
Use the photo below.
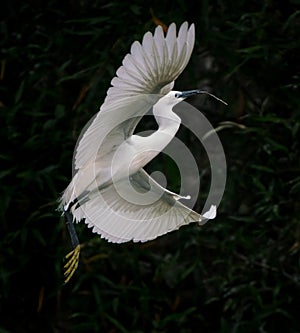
{"type": "Point", "coordinates": [72, 263]}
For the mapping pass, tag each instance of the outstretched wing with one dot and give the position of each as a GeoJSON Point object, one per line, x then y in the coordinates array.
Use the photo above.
{"type": "Point", "coordinates": [148, 211]}
{"type": "Point", "coordinates": [147, 74]}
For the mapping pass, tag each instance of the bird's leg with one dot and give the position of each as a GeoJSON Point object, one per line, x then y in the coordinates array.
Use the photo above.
{"type": "Point", "coordinates": [73, 256]}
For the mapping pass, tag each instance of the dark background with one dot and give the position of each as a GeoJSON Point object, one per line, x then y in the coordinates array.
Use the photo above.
{"type": "Point", "coordinates": [238, 273]}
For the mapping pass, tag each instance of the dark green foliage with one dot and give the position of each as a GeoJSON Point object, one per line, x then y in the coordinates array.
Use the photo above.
{"type": "Point", "coordinates": [240, 272]}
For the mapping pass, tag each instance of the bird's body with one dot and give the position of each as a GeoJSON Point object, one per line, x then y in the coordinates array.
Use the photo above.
{"type": "Point", "coordinates": [129, 156]}
{"type": "Point", "coordinates": [110, 190]}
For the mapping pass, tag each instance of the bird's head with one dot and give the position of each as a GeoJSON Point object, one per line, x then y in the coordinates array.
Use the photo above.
{"type": "Point", "coordinates": [167, 102]}
{"type": "Point", "coordinates": [174, 97]}
{"type": "Point", "coordinates": [181, 95]}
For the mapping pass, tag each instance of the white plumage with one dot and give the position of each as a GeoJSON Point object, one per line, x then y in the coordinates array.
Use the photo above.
{"type": "Point", "coordinates": [110, 189]}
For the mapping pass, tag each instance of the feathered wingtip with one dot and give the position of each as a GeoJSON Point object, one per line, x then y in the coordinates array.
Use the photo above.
{"type": "Point", "coordinates": [211, 213]}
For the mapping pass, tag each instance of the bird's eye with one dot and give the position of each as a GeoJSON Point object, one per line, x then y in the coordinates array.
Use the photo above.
{"type": "Point", "coordinates": [177, 95]}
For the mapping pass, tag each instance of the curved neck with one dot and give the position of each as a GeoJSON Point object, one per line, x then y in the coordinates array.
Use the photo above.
{"type": "Point", "coordinates": [168, 125]}
{"type": "Point", "coordinates": [166, 119]}
{"type": "Point", "coordinates": [150, 146]}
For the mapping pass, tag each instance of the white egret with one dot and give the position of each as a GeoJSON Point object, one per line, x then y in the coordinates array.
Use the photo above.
{"type": "Point", "coordinates": [110, 189]}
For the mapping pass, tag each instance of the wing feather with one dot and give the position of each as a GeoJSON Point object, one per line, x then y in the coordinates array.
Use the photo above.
{"type": "Point", "coordinates": [119, 220]}
{"type": "Point", "coordinates": [160, 45]}
{"type": "Point", "coordinates": [150, 68]}
{"type": "Point", "coordinates": [171, 40]}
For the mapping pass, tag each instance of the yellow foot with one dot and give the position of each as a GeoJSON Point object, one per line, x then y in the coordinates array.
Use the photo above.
{"type": "Point", "coordinates": [72, 263]}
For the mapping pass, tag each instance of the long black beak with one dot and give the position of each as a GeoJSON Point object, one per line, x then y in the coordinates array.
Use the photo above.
{"type": "Point", "coordinates": [188, 93]}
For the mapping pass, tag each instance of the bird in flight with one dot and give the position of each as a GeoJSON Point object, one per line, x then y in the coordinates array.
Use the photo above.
{"type": "Point", "coordinates": [110, 190]}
